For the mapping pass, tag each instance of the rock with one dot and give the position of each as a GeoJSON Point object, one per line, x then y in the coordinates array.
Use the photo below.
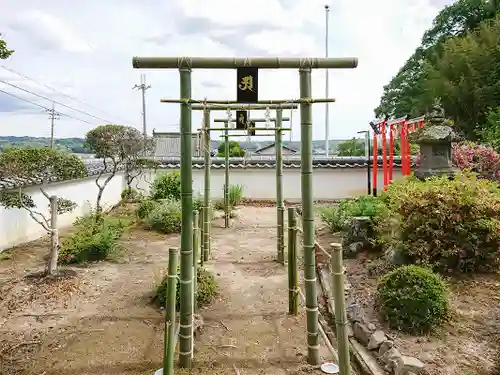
{"type": "Point", "coordinates": [390, 356]}
{"type": "Point", "coordinates": [384, 347]}
{"type": "Point", "coordinates": [358, 235]}
{"type": "Point", "coordinates": [197, 323]}
{"type": "Point", "coordinates": [354, 311]}
{"type": "Point", "coordinates": [361, 333]}
{"type": "Point", "coordinates": [405, 364]}
{"type": "Point", "coordinates": [376, 339]}
{"type": "Point", "coordinates": [353, 249]}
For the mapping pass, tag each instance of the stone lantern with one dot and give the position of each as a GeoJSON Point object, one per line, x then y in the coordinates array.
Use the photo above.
{"type": "Point", "coordinates": [435, 140]}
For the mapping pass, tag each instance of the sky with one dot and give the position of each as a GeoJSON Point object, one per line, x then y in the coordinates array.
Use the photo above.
{"type": "Point", "coordinates": [82, 50]}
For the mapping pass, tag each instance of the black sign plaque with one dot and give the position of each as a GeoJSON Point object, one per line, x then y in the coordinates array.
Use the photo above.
{"type": "Point", "coordinates": [251, 128]}
{"type": "Point", "coordinates": [247, 85]}
{"type": "Point", "coordinates": [241, 119]}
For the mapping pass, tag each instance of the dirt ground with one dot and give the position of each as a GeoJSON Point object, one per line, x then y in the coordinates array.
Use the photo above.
{"type": "Point", "coordinates": [99, 319]}
{"type": "Point", "coordinates": [467, 345]}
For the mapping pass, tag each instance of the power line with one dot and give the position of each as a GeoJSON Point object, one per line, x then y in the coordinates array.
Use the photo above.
{"type": "Point", "coordinates": [43, 107]}
{"type": "Point", "coordinates": [57, 91]}
{"type": "Point", "coordinates": [61, 104]}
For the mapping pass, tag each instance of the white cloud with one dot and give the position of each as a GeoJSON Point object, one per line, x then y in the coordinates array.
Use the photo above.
{"type": "Point", "coordinates": [86, 49]}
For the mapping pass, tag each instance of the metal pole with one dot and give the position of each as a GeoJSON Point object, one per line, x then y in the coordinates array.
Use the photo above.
{"type": "Point", "coordinates": [143, 87]}
{"type": "Point", "coordinates": [308, 219]}
{"type": "Point", "coordinates": [280, 207]}
{"type": "Point", "coordinates": [186, 277]}
{"type": "Point", "coordinates": [327, 106]}
{"type": "Point", "coordinates": [368, 161]}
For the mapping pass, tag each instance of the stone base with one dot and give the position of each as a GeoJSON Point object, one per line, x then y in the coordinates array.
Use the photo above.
{"type": "Point", "coordinates": [423, 174]}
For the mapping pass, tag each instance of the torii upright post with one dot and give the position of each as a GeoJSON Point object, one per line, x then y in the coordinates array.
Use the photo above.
{"type": "Point", "coordinates": [185, 64]}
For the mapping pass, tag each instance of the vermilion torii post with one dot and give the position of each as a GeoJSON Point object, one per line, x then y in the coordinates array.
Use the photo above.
{"type": "Point", "coordinates": [304, 65]}
{"type": "Point", "coordinates": [280, 204]}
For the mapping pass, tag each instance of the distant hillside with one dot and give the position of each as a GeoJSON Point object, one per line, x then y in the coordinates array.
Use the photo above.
{"type": "Point", "coordinates": [68, 144]}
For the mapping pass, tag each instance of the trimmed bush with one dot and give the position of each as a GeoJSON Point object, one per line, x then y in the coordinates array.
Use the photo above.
{"type": "Point", "coordinates": [449, 225]}
{"type": "Point", "coordinates": [413, 299]}
{"type": "Point", "coordinates": [165, 217]}
{"type": "Point", "coordinates": [92, 240]}
{"type": "Point", "coordinates": [130, 194]}
{"type": "Point", "coordinates": [207, 289]}
{"type": "Point", "coordinates": [166, 186]}
{"type": "Point", "coordinates": [145, 208]}
{"type": "Point", "coordinates": [338, 217]}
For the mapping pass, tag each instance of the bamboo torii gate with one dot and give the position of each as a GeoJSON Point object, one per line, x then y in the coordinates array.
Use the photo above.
{"type": "Point", "coordinates": [305, 66]}
{"type": "Point", "coordinates": [207, 109]}
{"type": "Point", "coordinates": [278, 132]}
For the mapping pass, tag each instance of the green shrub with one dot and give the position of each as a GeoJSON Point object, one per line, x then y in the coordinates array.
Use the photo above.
{"type": "Point", "coordinates": [219, 205]}
{"type": "Point", "coordinates": [130, 194]}
{"type": "Point", "coordinates": [235, 194]}
{"type": "Point", "coordinates": [145, 208]}
{"type": "Point", "coordinates": [339, 217]}
{"type": "Point", "coordinates": [413, 299]}
{"type": "Point", "coordinates": [207, 289]}
{"type": "Point", "coordinates": [449, 225]}
{"type": "Point", "coordinates": [165, 217]}
{"type": "Point", "coordinates": [93, 239]}
{"type": "Point", "coordinates": [166, 186]}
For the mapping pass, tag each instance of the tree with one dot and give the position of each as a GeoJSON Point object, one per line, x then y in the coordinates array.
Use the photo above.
{"type": "Point", "coordinates": [235, 150]}
{"type": "Point", "coordinates": [352, 147]}
{"type": "Point", "coordinates": [467, 78]}
{"type": "Point", "coordinates": [5, 53]}
{"type": "Point", "coordinates": [491, 131]}
{"type": "Point", "coordinates": [119, 147]}
{"type": "Point", "coordinates": [407, 93]}
{"type": "Point", "coordinates": [27, 166]}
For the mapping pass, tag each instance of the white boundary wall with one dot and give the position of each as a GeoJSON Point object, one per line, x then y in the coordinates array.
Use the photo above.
{"type": "Point", "coordinates": [17, 227]}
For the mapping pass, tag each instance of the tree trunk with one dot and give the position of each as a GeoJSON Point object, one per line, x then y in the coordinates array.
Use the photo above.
{"type": "Point", "coordinates": [54, 237]}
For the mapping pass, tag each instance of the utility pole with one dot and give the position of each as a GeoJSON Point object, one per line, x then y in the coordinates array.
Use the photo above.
{"type": "Point", "coordinates": [53, 115]}
{"type": "Point", "coordinates": [143, 87]}
{"type": "Point", "coordinates": [327, 107]}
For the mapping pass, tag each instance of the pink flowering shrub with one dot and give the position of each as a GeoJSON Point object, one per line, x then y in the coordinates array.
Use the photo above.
{"type": "Point", "coordinates": [478, 158]}
{"type": "Point", "coordinates": [475, 157]}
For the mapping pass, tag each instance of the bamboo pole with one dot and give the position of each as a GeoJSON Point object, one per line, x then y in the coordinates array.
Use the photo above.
{"type": "Point", "coordinates": [226, 177]}
{"type": "Point", "coordinates": [207, 215]}
{"type": "Point", "coordinates": [202, 236]}
{"type": "Point", "coordinates": [293, 277]}
{"type": "Point", "coordinates": [257, 119]}
{"type": "Point", "coordinates": [242, 130]}
{"type": "Point", "coordinates": [196, 252]}
{"type": "Point", "coordinates": [337, 270]}
{"type": "Point", "coordinates": [308, 219]}
{"type": "Point", "coordinates": [280, 206]}
{"type": "Point", "coordinates": [170, 336]}
{"type": "Point", "coordinates": [308, 100]}
{"type": "Point", "coordinates": [242, 107]}
{"type": "Point", "coordinates": [186, 277]}
{"type": "Point", "coordinates": [243, 62]}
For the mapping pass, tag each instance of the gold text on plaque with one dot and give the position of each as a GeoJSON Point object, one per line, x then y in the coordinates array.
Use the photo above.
{"type": "Point", "coordinates": [246, 84]}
